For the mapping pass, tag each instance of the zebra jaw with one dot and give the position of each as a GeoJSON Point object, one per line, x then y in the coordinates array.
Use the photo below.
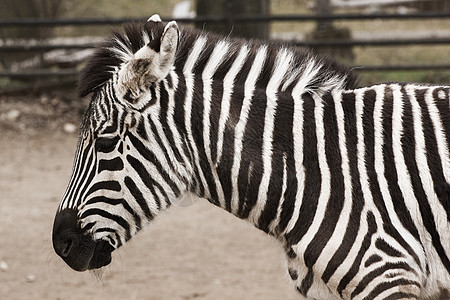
{"type": "Point", "coordinates": [79, 250]}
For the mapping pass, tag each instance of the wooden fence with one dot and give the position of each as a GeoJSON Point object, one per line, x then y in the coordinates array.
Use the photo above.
{"type": "Point", "coordinates": [229, 19]}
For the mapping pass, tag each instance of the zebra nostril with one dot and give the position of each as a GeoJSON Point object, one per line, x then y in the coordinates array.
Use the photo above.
{"type": "Point", "coordinates": [65, 232]}
{"type": "Point", "coordinates": [67, 246]}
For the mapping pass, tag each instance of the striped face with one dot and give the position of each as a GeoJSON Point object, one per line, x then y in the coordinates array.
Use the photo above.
{"type": "Point", "coordinates": [121, 177]}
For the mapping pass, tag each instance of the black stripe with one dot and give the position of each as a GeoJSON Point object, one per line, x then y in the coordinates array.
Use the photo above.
{"type": "Point", "coordinates": [377, 273]}
{"type": "Point", "coordinates": [365, 245]}
{"type": "Point", "coordinates": [137, 194]}
{"type": "Point", "coordinates": [441, 187]}
{"type": "Point", "coordinates": [348, 106]}
{"type": "Point", "coordinates": [114, 164]}
{"type": "Point", "coordinates": [312, 183]}
{"type": "Point", "coordinates": [180, 122]}
{"type": "Point", "coordinates": [109, 185]}
{"type": "Point", "coordinates": [121, 201]}
{"type": "Point", "coordinates": [151, 157]}
{"type": "Point", "coordinates": [400, 295]}
{"type": "Point", "coordinates": [390, 172]}
{"type": "Point", "coordinates": [372, 260]}
{"type": "Point", "coordinates": [149, 182]}
{"type": "Point", "coordinates": [281, 145]}
{"type": "Point", "coordinates": [226, 163]}
{"type": "Point", "coordinates": [440, 184]}
{"type": "Point", "coordinates": [88, 226]}
{"type": "Point", "coordinates": [170, 81]}
{"type": "Point", "coordinates": [140, 130]}
{"type": "Point", "coordinates": [89, 174]}
{"type": "Point", "coordinates": [290, 194]}
{"type": "Point", "coordinates": [306, 283]}
{"type": "Point", "coordinates": [118, 219]}
{"type": "Point", "coordinates": [388, 249]}
{"type": "Point", "coordinates": [384, 286]}
{"type": "Point", "coordinates": [157, 138]}
{"type": "Point", "coordinates": [122, 123]}
{"type": "Point", "coordinates": [336, 199]}
{"type": "Point", "coordinates": [105, 229]}
{"type": "Point", "coordinates": [79, 164]}
{"type": "Point", "coordinates": [252, 153]}
{"type": "Point", "coordinates": [214, 116]}
{"type": "Point", "coordinates": [392, 179]}
{"type": "Point", "coordinates": [197, 133]}
{"type": "Point", "coordinates": [112, 128]}
{"type": "Point", "coordinates": [444, 109]}
{"type": "Point", "coordinates": [163, 117]}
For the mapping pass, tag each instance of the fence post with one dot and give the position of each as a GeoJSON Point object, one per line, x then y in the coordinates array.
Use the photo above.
{"type": "Point", "coordinates": [326, 31]}
{"type": "Point", "coordinates": [229, 15]}
{"type": "Point", "coordinates": [323, 9]}
{"type": "Point", "coordinates": [230, 9]}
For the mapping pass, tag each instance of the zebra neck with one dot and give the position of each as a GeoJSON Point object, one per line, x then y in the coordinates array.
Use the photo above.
{"type": "Point", "coordinates": [235, 111]}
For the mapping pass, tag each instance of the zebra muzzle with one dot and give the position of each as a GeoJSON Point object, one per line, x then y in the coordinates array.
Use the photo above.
{"type": "Point", "coordinates": [76, 248]}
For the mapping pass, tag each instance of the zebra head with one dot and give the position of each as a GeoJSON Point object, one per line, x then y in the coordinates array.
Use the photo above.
{"type": "Point", "coordinates": [122, 176]}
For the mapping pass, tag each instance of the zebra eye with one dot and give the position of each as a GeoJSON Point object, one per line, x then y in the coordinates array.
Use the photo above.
{"type": "Point", "coordinates": [106, 144]}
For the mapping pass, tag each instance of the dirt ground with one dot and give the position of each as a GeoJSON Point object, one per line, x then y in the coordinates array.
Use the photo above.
{"type": "Point", "coordinates": [196, 252]}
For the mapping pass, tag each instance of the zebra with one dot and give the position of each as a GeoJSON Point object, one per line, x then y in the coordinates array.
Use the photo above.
{"type": "Point", "coordinates": [354, 182]}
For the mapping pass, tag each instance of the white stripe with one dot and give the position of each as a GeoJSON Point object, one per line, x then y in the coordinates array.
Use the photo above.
{"type": "Point", "coordinates": [275, 222]}
{"type": "Point", "coordinates": [343, 222]}
{"type": "Point", "coordinates": [425, 176]}
{"type": "Point", "coordinates": [194, 55]}
{"type": "Point", "coordinates": [308, 74]}
{"type": "Point", "coordinates": [228, 85]}
{"type": "Point", "coordinates": [380, 171]}
{"type": "Point", "coordinates": [82, 181]}
{"type": "Point", "coordinates": [404, 178]}
{"type": "Point", "coordinates": [361, 149]}
{"type": "Point", "coordinates": [439, 133]}
{"type": "Point", "coordinates": [155, 116]}
{"type": "Point", "coordinates": [218, 55]}
{"type": "Point", "coordinates": [191, 61]}
{"type": "Point", "coordinates": [364, 182]}
{"type": "Point", "coordinates": [250, 82]}
{"type": "Point", "coordinates": [185, 169]}
{"type": "Point", "coordinates": [325, 186]}
{"type": "Point", "coordinates": [65, 201]}
{"type": "Point", "coordinates": [297, 132]}
{"type": "Point", "coordinates": [282, 64]}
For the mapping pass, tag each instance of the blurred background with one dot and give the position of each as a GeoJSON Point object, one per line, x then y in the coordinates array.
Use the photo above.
{"type": "Point", "coordinates": [196, 252]}
{"type": "Point", "coordinates": [43, 41]}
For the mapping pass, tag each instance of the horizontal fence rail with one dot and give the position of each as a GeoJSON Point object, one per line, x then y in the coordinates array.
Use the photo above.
{"type": "Point", "coordinates": [229, 19]}
{"type": "Point", "coordinates": [237, 19]}
{"type": "Point", "coordinates": [331, 43]}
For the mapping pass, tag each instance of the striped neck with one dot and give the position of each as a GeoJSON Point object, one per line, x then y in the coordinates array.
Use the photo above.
{"type": "Point", "coordinates": [234, 109]}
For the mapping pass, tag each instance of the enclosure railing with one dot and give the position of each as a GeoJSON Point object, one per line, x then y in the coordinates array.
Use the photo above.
{"type": "Point", "coordinates": [229, 19]}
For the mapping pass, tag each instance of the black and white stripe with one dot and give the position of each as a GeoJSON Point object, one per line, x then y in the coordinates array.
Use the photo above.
{"type": "Point", "coordinates": [354, 182]}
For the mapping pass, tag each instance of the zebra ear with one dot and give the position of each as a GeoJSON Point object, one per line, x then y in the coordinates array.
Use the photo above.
{"type": "Point", "coordinates": [169, 46]}
{"type": "Point", "coordinates": [154, 18]}
{"type": "Point", "coordinates": [149, 65]}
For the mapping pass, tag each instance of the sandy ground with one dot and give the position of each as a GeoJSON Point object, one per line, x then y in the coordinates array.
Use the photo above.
{"type": "Point", "coordinates": [196, 252]}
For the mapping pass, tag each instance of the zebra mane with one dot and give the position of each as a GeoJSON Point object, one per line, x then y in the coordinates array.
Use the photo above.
{"type": "Point", "coordinates": [324, 73]}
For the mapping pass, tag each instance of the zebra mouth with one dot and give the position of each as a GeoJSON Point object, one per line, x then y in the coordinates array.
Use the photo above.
{"type": "Point", "coordinates": [77, 249]}
{"type": "Point", "coordinates": [101, 256]}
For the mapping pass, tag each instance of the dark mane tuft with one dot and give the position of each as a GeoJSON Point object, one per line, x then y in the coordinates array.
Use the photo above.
{"type": "Point", "coordinates": [121, 46]}
{"type": "Point", "coordinates": [109, 55]}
